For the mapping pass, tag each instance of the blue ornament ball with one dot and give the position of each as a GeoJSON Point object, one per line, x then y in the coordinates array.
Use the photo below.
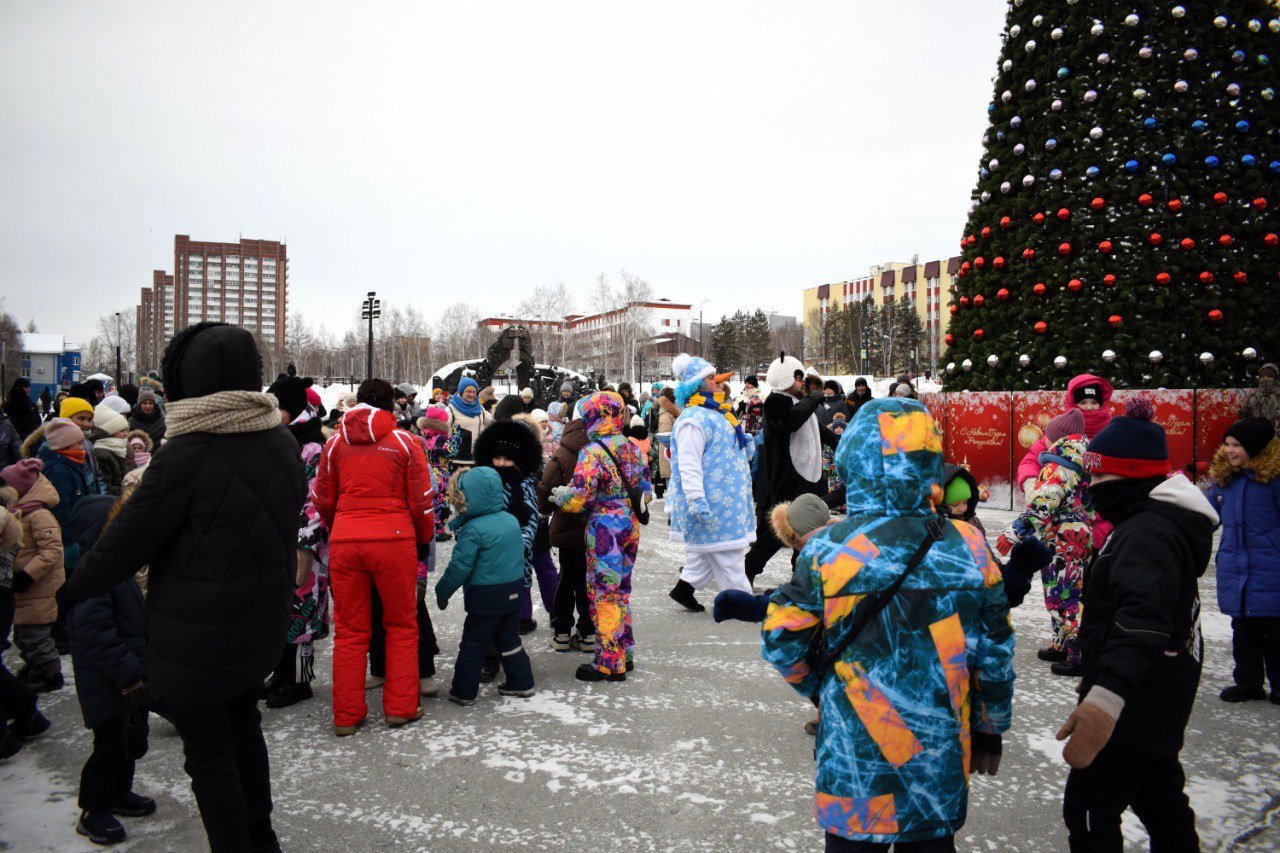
{"type": "Point", "coordinates": [985, 174]}
{"type": "Point", "coordinates": [1211, 162]}
{"type": "Point", "coordinates": [1198, 125]}
{"type": "Point", "coordinates": [1064, 72]}
{"type": "Point", "coordinates": [1237, 56]}
{"type": "Point", "coordinates": [1150, 123]}
{"type": "Point", "coordinates": [991, 108]}
{"type": "Point", "coordinates": [1248, 161]}
{"type": "Point", "coordinates": [1242, 125]}
{"type": "Point", "coordinates": [1000, 135]}
{"type": "Point", "coordinates": [1169, 159]}
{"type": "Point", "coordinates": [1275, 166]}
{"type": "Point", "coordinates": [1093, 171]}
{"type": "Point", "coordinates": [1264, 60]}
{"type": "Point", "coordinates": [1132, 166]}
{"type": "Point", "coordinates": [1056, 174]}
{"type": "Point", "coordinates": [1050, 144]}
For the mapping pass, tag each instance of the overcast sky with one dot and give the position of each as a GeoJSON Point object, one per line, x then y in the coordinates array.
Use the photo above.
{"type": "Point", "coordinates": [437, 152]}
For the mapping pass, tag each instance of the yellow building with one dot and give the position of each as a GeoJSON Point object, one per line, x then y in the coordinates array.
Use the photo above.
{"type": "Point", "coordinates": [928, 285]}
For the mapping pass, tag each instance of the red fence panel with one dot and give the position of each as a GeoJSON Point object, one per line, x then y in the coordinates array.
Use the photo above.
{"type": "Point", "coordinates": [977, 437]}
{"type": "Point", "coordinates": [1216, 409]}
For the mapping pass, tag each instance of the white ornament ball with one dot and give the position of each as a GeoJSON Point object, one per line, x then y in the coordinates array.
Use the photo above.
{"type": "Point", "coordinates": [1091, 96]}
{"type": "Point", "coordinates": [951, 367]}
{"type": "Point", "coordinates": [1006, 96]}
{"type": "Point", "coordinates": [1178, 11]}
{"type": "Point", "coordinates": [993, 360]}
{"type": "Point", "coordinates": [967, 364]}
{"type": "Point", "coordinates": [1206, 358]}
{"type": "Point", "coordinates": [1019, 149]}
{"type": "Point", "coordinates": [1031, 85]}
{"type": "Point", "coordinates": [1155, 356]}
{"type": "Point", "coordinates": [1095, 134]}
{"type": "Point", "coordinates": [1028, 180]}
{"type": "Point", "coordinates": [986, 196]}
{"type": "Point", "coordinates": [1056, 106]}
{"type": "Point", "coordinates": [1131, 20]}
{"type": "Point", "coordinates": [1104, 58]}
{"type": "Point", "coordinates": [1056, 34]}
{"type": "Point", "coordinates": [1145, 52]}
{"type": "Point", "coordinates": [993, 164]}
{"type": "Point", "coordinates": [1038, 20]}
{"type": "Point", "coordinates": [1018, 3]}
{"type": "Point", "coordinates": [1191, 54]}
{"type": "Point", "coordinates": [1274, 25]}
{"type": "Point", "coordinates": [1015, 31]}
{"type": "Point", "coordinates": [1233, 89]}
{"type": "Point", "coordinates": [1006, 65]}
{"type": "Point", "coordinates": [1220, 22]}
{"type": "Point", "coordinates": [1097, 30]}
{"type": "Point", "coordinates": [1006, 187]}
{"type": "Point", "coordinates": [1249, 353]}
{"type": "Point", "coordinates": [1024, 360]}
{"type": "Point", "coordinates": [1108, 355]}
{"type": "Point", "coordinates": [1140, 94]}
{"type": "Point", "coordinates": [1031, 46]}
{"type": "Point", "coordinates": [1255, 26]}
{"type": "Point", "coordinates": [1055, 174]}
{"type": "Point", "coordinates": [1180, 87]}
{"type": "Point", "coordinates": [1060, 362]}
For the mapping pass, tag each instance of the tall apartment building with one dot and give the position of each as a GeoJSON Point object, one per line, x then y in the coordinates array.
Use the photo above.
{"type": "Point", "coordinates": [927, 285]}
{"type": "Point", "coordinates": [245, 284]}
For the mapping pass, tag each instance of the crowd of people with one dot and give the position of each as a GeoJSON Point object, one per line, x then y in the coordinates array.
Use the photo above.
{"type": "Point", "coordinates": [189, 540]}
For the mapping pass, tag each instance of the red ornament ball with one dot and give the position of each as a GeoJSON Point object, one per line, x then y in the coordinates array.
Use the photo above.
{"type": "Point", "coordinates": [964, 267]}
{"type": "Point", "coordinates": [1219, 198]}
{"type": "Point", "coordinates": [986, 233]}
{"type": "Point", "coordinates": [1271, 239]}
{"type": "Point", "coordinates": [1098, 203]}
{"type": "Point", "coordinates": [978, 334]}
{"type": "Point", "coordinates": [953, 310]}
{"type": "Point", "coordinates": [1145, 200]}
{"type": "Point", "coordinates": [950, 339]}
{"type": "Point", "coordinates": [1187, 244]}
{"type": "Point", "coordinates": [1259, 203]}
{"type": "Point", "coordinates": [1005, 222]}
{"type": "Point", "coordinates": [1105, 247]}
{"type": "Point", "coordinates": [979, 262]}
{"type": "Point", "coordinates": [1206, 277]}
{"type": "Point", "coordinates": [1003, 293]}
{"type": "Point", "coordinates": [1115, 320]}
{"type": "Point", "coordinates": [998, 263]}
{"type": "Point", "coordinates": [1039, 289]}
{"type": "Point", "coordinates": [979, 301]}
{"type": "Point", "coordinates": [964, 302]}
{"type": "Point", "coordinates": [1109, 280]}
{"type": "Point", "coordinates": [1038, 219]}
{"type": "Point", "coordinates": [1163, 279]}
{"type": "Point", "coordinates": [1064, 249]}
{"type": "Point", "coordinates": [1064, 213]}
{"type": "Point", "coordinates": [1075, 285]}
{"type": "Point", "coordinates": [1240, 277]}
{"type": "Point", "coordinates": [1041, 327]}
{"type": "Point", "coordinates": [1225, 240]}
{"type": "Point", "coordinates": [1215, 316]}
{"type": "Point", "coordinates": [1175, 204]}
{"type": "Point", "coordinates": [1155, 239]}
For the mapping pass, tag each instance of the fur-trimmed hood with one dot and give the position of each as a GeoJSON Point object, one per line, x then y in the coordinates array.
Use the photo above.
{"type": "Point", "coordinates": [782, 526]}
{"type": "Point", "coordinates": [31, 444]}
{"type": "Point", "coordinates": [669, 406]}
{"type": "Point", "coordinates": [143, 436]}
{"type": "Point", "coordinates": [515, 440]}
{"type": "Point", "coordinates": [1265, 467]}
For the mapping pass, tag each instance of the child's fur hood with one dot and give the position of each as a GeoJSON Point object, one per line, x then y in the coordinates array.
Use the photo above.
{"type": "Point", "coordinates": [147, 443]}
{"type": "Point", "coordinates": [669, 407]}
{"type": "Point", "coordinates": [1265, 466]}
{"type": "Point", "coordinates": [782, 527]}
{"type": "Point", "coordinates": [31, 444]}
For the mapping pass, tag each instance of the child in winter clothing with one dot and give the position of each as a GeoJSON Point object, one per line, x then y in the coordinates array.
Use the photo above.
{"type": "Point", "coordinates": [37, 574]}
{"type": "Point", "coordinates": [1061, 516]}
{"type": "Point", "coordinates": [488, 563]}
{"type": "Point", "coordinates": [541, 420]}
{"type": "Point", "coordinates": [108, 656]}
{"type": "Point", "coordinates": [1246, 493]}
{"type": "Point", "coordinates": [442, 445]}
{"type": "Point", "coordinates": [112, 449]}
{"type": "Point", "coordinates": [17, 699]}
{"type": "Point", "coordinates": [835, 485]}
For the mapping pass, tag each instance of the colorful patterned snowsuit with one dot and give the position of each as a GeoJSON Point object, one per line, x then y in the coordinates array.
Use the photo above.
{"type": "Point", "coordinates": [1060, 515]}
{"type": "Point", "coordinates": [440, 449]}
{"type": "Point", "coordinates": [900, 702]}
{"type": "Point", "coordinates": [613, 532]}
{"type": "Point", "coordinates": [309, 618]}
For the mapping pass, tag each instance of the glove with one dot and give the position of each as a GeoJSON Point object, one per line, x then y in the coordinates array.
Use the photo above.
{"type": "Point", "coordinates": [560, 495]}
{"type": "Point", "coordinates": [441, 601]}
{"type": "Point", "coordinates": [740, 605]}
{"type": "Point", "coordinates": [1089, 728]}
{"type": "Point", "coordinates": [985, 755]}
{"type": "Point", "coordinates": [137, 702]}
{"type": "Point", "coordinates": [422, 590]}
{"type": "Point", "coordinates": [424, 552]}
{"type": "Point", "coordinates": [22, 581]}
{"type": "Point", "coordinates": [1005, 542]}
{"type": "Point", "coordinates": [699, 508]}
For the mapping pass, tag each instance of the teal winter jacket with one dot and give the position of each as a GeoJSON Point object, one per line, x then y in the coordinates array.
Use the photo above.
{"type": "Point", "coordinates": [488, 555]}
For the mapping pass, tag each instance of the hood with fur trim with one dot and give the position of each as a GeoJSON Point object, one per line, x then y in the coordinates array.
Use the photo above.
{"type": "Point", "coordinates": [141, 435]}
{"type": "Point", "coordinates": [31, 444]}
{"type": "Point", "coordinates": [513, 439]}
{"type": "Point", "coordinates": [1265, 467]}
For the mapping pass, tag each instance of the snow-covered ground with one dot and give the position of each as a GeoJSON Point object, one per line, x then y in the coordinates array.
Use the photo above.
{"type": "Point", "coordinates": [701, 749]}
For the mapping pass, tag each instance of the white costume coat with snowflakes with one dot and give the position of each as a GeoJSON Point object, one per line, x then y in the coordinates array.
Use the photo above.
{"type": "Point", "coordinates": [708, 463]}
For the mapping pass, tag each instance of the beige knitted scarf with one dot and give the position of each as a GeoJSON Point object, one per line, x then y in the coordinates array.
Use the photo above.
{"type": "Point", "coordinates": [222, 413]}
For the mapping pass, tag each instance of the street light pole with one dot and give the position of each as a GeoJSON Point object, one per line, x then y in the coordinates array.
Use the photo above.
{"type": "Point", "coordinates": [118, 368]}
{"type": "Point", "coordinates": [702, 330]}
{"type": "Point", "coordinates": [370, 309]}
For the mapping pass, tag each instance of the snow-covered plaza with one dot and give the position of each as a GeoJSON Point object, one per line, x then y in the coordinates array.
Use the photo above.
{"type": "Point", "coordinates": [702, 748]}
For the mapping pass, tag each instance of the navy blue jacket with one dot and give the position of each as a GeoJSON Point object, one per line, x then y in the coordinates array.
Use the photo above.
{"type": "Point", "coordinates": [1248, 502]}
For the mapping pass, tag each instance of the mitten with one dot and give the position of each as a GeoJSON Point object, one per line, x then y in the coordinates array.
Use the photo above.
{"type": "Point", "coordinates": [1005, 542]}
{"type": "Point", "coordinates": [739, 604]}
{"type": "Point", "coordinates": [561, 495]}
{"type": "Point", "coordinates": [424, 552]}
{"type": "Point", "coordinates": [1089, 728]}
{"type": "Point", "coordinates": [22, 581]}
{"type": "Point", "coordinates": [441, 601]}
{"type": "Point", "coordinates": [985, 755]}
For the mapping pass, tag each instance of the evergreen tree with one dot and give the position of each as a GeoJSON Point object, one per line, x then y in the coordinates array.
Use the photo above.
{"type": "Point", "coordinates": [1125, 215]}
{"type": "Point", "coordinates": [726, 343]}
{"type": "Point", "coordinates": [757, 341]}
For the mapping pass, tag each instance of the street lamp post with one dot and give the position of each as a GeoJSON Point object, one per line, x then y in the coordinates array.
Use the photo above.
{"type": "Point", "coordinates": [370, 309]}
{"type": "Point", "coordinates": [118, 368]}
{"type": "Point", "coordinates": [702, 331]}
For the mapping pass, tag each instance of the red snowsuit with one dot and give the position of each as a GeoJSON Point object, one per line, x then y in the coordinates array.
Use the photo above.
{"type": "Point", "coordinates": [374, 493]}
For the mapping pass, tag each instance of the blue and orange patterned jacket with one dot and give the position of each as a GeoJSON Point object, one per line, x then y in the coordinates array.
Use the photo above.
{"type": "Point", "coordinates": [899, 704]}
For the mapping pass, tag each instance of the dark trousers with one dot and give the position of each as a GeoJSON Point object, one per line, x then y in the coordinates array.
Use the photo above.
{"type": "Point", "coordinates": [1255, 645]}
{"type": "Point", "coordinates": [1118, 779]}
{"type": "Point", "coordinates": [108, 774]}
{"type": "Point", "coordinates": [766, 545]}
{"type": "Point", "coordinates": [230, 772]}
{"type": "Point", "coordinates": [502, 630]}
{"type": "Point", "coordinates": [428, 648]}
{"type": "Point", "coordinates": [840, 844]}
{"type": "Point", "coordinates": [571, 594]}
{"type": "Point", "coordinates": [296, 666]}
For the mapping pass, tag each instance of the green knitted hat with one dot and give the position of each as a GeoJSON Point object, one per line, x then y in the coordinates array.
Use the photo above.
{"type": "Point", "coordinates": [957, 490]}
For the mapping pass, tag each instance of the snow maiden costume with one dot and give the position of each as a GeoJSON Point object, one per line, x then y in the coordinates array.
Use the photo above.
{"type": "Point", "coordinates": [709, 502]}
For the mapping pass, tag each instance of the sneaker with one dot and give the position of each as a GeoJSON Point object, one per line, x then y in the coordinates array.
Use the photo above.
{"type": "Point", "coordinates": [584, 643]}
{"type": "Point", "coordinates": [528, 626]}
{"type": "Point", "coordinates": [47, 684]}
{"type": "Point", "coordinates": [525, 692]}
{"type": "Point", "coordinates": [588, 672]}
{"type": "Point", "coordinates": [428, 687]}
{"type": "Point", "coordinates": [397, 722]}
{"type": "Point", "coordinates": [458, 700]}
{"type": "Point", "coordinates": [1070, 670]}
{"type": "Point", "coordinates": [682, 594]}
{"type": "Point", "coordinates": [373, 682]}
{"type": "Point", "coordinates": [1236, 693]}
{"type": "Point", "coordinates": [562, 643]}
{"type": "Point", "coordinates": [34, 726]}
{"type": "Point", "coordinates": [290, 694]}
{"type": "Point", "coordinates": [1052, 655]}
{"type": "Point", "coordinates": [489, 670]}
{"type": "Point", "coordinates": [134, 805]}
{"type": "Point", "coordinates": [100, 828]}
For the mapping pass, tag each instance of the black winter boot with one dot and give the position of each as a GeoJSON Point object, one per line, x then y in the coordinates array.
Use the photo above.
{"type": "Point", "coordinates": [1052, 655]}
{"type": "Point", "coordinates": [1236, 693]}
{"type": "Point", "coordinates": [682, 594]}
{"type": "Point", "coordinates": [588, 672]}
{"type": "Point", "coordinates": [100, 828]}
{"type": "Point", "coordinates": [134, 805]}
{"type": "Point", "coordinates": [489, 669]}
{"type": "Point", "coordinates": [290, 694]}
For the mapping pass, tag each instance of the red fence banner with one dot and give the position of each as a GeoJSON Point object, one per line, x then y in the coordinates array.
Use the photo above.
{"type": "Point", "coordinates": [978, 436]}
{"type": "Point", "coordinates": [1216, 409]}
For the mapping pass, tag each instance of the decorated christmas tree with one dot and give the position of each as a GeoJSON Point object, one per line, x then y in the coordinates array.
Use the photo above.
{"type": "Point", "coordinates": [1126, 219]}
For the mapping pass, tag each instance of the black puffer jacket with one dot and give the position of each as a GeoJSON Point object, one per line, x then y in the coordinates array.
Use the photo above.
{"type": "Point", "coordinates": [108, 632]}
{"type": "Point", "coordinates": [216, 518]}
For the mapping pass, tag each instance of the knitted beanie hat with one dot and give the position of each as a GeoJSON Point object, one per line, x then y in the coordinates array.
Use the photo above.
{"type": "Point", "coordinates": [145, 394]}
{"type": "Point", "coordinates": [1132, 445]}
{"type": "Point", "coordinates": [1070, 422]}
{"type": "Point", "coordinates": [116, 402]}
{"type": "Point", "coordinates": [957, 490]}
{"type": "Point", "coordinates": [109, 420]}
{"type": "Point", "coordinates": [22, 475]}
{"type": "Point", "coordinates": [1254, 434]}
{"type": "Point", "coordinates": [795, 520]}
{"type": "Point", "coordinates": [72, 406]}
{"type": "Point", "coordinates": [61, 433]}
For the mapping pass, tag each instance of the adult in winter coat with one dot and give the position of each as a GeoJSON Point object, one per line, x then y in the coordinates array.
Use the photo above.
{"type": "Point", "coordinates": [20, 408]}
{"type": "Point", "coordinates": [792, 463]}
{"type": "Point", "coordinates": [1246, 493]}
{"type": "Point", "coordinates": [374, 494]}
{"type": "Point", "coordinates": [469, 418]}
{"type": "Point", "coordinates": [1141, 643]}
{"type": "Point", "coordinates": [858, 397]}
{"type": "Point", "coordinates": [216, 520]}
{"type": "Point", "coordinates": [709, 502]}
{"type": "Point", "coordinates": [607, 468]}
{"type": "Point", "coordinates": [668, 411]}
{"type": "Point", "coordinates": [10, 442]}
{"type": "Point", "coordinates": [567, 531]}
{"type": "Point", "coordinates": [1265, 401]}
{"type": "Point", "coordinates": [922, 695]}
{"type": "Point", "coordinates": [832, 402]}
{"type": "Point", "coordinates": [37, 575]}
{"type": "Point", "coordinates": [59, 445]}
{"type": "Point", "coordinates": [1061, 517]}
{"type": "Point", "coordinates": [148, 416]}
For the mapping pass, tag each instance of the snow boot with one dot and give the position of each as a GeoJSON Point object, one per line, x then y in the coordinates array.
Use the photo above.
{"type": "Point", "coordinates": [1070, 670]}
{"type": "Point", "coordinates": [428, 687]}
{"type": "Point", "coordinates": [457, 700]}
{"type": "Point", "coordinates": [682, 594]}
{"type": "Point", "coordinates": [134, 805]}
{"type": "Point", "coordinates": [100, 828]}
{"type": "Point", "coordinates": [584, 643]}
{"type": "Point", "coordinates": [290, 694]}
{"type": "Point", "coordinates": [588, 672]}
{"type": "Point", "coordinates": [1236, 693]}
{"type": "Point", "coordinates": [347, 731]}
{"type": "Point", "coordinates": [373, 682]}
{"type": "Point", "coordinates": [10, 744]}
{"type": "Point", "coordinates": [47, 684]}
{"type": "Point", "coordinates": [397, 722]}
{"type": "Point", "coordinates": [562, 643]}
{"type": "Point", "coordinates": [33, 726]}
{"type": "Point", "coordinates": [523, 693]}
{"type": "Point", "coordinates": [528, 626]}
{"type": "Point", "coordinates": [1052, 655]}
